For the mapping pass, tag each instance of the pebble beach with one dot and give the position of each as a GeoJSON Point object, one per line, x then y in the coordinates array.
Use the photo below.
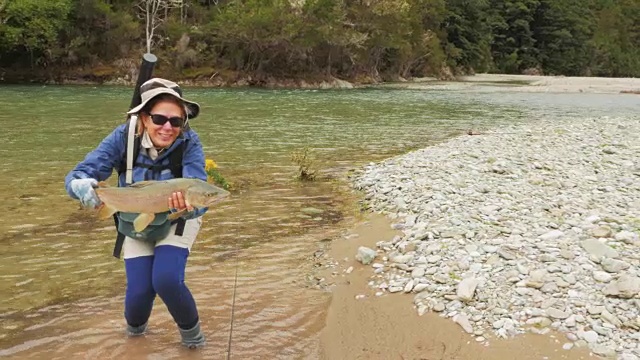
{"type": "Point", "coordinates": [532, 228]}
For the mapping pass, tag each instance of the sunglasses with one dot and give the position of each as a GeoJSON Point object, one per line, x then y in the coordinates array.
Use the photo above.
{"type": "Point", "coordinates": [176, 121]}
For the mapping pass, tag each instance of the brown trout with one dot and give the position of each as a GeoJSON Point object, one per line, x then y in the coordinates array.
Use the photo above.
{"type": "Point", "coordinates": [151, 197]}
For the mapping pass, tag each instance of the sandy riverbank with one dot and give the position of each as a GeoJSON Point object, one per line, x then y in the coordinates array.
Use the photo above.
{"type": "Point", "coordinates": [531, 83]}
{"type": "Point", "coordinates": [361, 325]}
{"type": "Point", "coordinates": [387, 327]}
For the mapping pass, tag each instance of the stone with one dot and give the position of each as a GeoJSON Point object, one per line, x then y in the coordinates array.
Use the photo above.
{"type": "Point", "coordinates": [613, 265]}
{"type": "Point", "coordinates": [603, 350]}
{"type": "Point", "coordinates": [439, 307]}
{"type": "Point", "coordinates": [610, 318]}
{"type": "Point", "coordinates": [417, 273]}
{"type": "Point", "coordinates": [602, 276]}
{"type": "Point", "coordinates": [628, 237]}
{"type": "Point", "coordinates": [464, 323]}
{"type": "Point", "coordinates": [506, 254]}
{"type": "Point", "coordinates": [569, 255]}
{"type": "Point", "coordinates": [589, 336]}
{"type": "Point", "coordinates": [551, 235]}
{"type": "Point", "coordinates": [602, 232]}
{"type": "Point", "coordinates": [597, 248]}
{"type": "Point", "coordinates": [625, 287]}
{"type": "Point", "coordinates": [402, 259]}
{"type": "Point", "coordinates": [466, 289]}
{"type": "Point", "coordinates": [420, 287]}
{"type": "Point", "coordinates": [557, 314]}
{"type": "Point", "coordinates": [365, 255]}
{"type": "Point", "coordinates": [409, 286]}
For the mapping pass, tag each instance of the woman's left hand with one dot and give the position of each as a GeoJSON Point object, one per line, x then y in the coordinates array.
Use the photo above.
{"type": "Point", "coordinates": [178, 203]}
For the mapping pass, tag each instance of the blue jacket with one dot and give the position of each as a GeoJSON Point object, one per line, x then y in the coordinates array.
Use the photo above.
{"type": "Point", "coordinates": [100, 163]}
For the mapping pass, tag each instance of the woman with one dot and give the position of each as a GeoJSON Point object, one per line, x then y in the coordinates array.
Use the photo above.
{"type": "Point", "coordinates": [153, 265]}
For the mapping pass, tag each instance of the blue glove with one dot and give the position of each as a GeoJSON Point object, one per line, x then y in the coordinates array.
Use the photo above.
{"type": "Point", "coordinates": [84, 191]}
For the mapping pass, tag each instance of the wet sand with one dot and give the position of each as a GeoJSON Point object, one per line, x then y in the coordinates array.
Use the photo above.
{"type": "Point", "coordinates": [388, 327]}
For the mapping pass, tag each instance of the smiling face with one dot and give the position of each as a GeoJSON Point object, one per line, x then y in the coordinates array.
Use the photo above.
{"type": "Point", "coordinates": [163, 135]}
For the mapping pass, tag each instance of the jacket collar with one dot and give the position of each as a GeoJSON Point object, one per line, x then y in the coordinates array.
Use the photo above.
{"type": "Point", "coordinates": [147, 145]}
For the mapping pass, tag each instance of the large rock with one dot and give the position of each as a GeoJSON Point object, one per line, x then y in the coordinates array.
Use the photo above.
{"type": "Point", "coordinates": [613, 265]}
{"type": "Point", "coordinates": [627, 237]}
{"type": "Point", "coordinates": [597, 248]}
{"type": "Point", "coordinates": [466, 289]}
{"type": "Point", "coordinates": [626, 287]}
{"type": "Point", "coordinates": [365, 255]}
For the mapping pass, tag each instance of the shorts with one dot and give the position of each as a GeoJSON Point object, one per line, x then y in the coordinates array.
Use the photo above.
{"type": "Point", "coordinates": [133, 248]}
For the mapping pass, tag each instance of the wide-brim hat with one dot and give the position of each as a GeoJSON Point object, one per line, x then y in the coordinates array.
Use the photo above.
{"type": "Point", "coordinates": [157, 86]}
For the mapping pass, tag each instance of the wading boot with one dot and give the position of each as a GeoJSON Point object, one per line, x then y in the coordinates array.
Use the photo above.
{"type": "Point", "coordinates": [137, 330]}
{"type": "Point", "coordinates": [192, 338]}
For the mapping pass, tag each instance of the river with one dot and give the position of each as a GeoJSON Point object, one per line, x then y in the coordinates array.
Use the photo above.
{"type": "Point", "coordinates": [61, 291]}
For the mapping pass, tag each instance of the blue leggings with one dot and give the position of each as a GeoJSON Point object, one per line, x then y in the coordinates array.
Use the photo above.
{"type": "Point", "coordinates": [162, 273]}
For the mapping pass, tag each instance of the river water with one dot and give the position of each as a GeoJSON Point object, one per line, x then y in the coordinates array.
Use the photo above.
{"type": "Point", "coordinates": [61, 292]}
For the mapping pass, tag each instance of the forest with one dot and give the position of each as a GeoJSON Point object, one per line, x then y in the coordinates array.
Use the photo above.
{"type": "Point", "coordinates": [357, 40]}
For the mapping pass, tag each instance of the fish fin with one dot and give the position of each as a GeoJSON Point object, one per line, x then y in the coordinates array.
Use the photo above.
{"type": "Point", "coordinates": [142, 221]}
{"type": "Point", "coordinates": [176, 215]}
{"type": "Point", "coordinates": [141, 184]}
{"type": "Point", "coordinates": [106, 211]}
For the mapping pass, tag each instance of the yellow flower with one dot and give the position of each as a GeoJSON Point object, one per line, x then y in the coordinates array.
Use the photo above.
{"type": "Point", "coordinates": [209, 164]}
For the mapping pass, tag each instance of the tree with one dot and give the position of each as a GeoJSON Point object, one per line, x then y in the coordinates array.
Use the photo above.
{"type": "Point", "coordinates": [3, 6]}
{"type": "Point", "coordinates": [99, 33]}
{"type": "Point", "coordinates": [616, 38]}
{"type": "Point", "coordinates": [562, 30]}
{"type": "Point", "coordinates": [513, 47]}
{"type": "Point", "coordinates": [468, 33]}
{"type": "Point", "coordinates": [155, 12]}
{"type": "Point", "coordinates": [32, 25]}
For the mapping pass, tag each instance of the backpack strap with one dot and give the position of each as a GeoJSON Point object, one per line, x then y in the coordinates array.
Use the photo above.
{"type": "Point", "coordinates": [131, 157]}
{"type": "Point", "coordinates": [132, 149]}
{"type": "Point", "coordinates": [117, 248]}
{"type": "Point", "coordinates": [175, 160]}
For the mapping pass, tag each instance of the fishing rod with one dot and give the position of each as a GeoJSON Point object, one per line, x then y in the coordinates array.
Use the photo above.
{"type": "Point", "coordinates": [146, 70]}
{"type": "Point", "coordinates": [233, 299]}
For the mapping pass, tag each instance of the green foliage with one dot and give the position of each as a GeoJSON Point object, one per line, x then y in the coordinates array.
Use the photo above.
{"type": "Point", "coordinates": [563, 30]}
{"type": "Point", "coordinates": [616, 38]}
{"type": "Point", "coordinates": [356, 39]}
{"type": "Point", "coordinates": [306, 165]}
{"type": "Point", "coordinates": [32, 25]}
{"type": "Point", "coordinates": [513, 46]}
{"type": "Point", "coordinates": [217, 178]}
{"type": "Point", "coordinates": [214, 175]}
{"type": "Point", "coordinates": [468, 34]}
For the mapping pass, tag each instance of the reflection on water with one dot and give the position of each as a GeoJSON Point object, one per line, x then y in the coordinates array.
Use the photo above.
{"type": "Point", "coordinates": [61, 291]}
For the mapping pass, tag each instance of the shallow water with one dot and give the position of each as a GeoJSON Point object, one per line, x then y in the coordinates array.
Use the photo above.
{"type": "Point", "coordinates": [60, 289]}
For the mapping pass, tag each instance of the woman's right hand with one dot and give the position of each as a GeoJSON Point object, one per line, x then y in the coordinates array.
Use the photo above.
{"type": "Point", "coordinates": [84, 191]}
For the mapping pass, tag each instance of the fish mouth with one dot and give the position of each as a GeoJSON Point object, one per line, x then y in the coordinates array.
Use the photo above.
{"type": "Point", "coordinates": [216, 199]}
